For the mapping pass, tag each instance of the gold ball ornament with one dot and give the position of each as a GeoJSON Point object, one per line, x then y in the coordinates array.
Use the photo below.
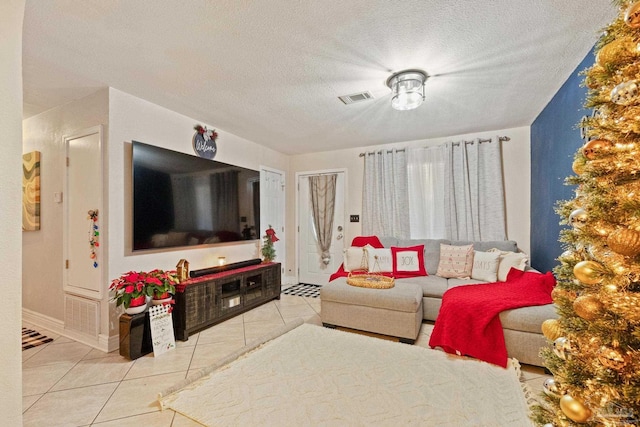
{"type": "Point", "coordinates": [632, 15]}
{"type": "Point", "coordinates": [551, 389]}
{"type": "Point", "coordinates": [588, 272]}
{"type": "Point", "coordinates": [612, 358]}
{"type": "Point", "coordinates": [616, 52]}
{"type": "Point", "coordinates": [578, 165]}
{"type": "Point", "coordinates": [596, 148]}
{"type": "Point", "coordinates": [626, 93]}
{"type": "Point", "coordinates": [625, 241]}
{"type": "Point", "coordinates": [575, 409]}
{"type": "Point", "coordinates": [578, 218]}
{"type": "Point", "coordinates": [588, 307]}
{"type": "Point", "coordinates": [551, 329]}
{"type": "Point", "coordinates": [562, 348]}
{"type": "Point", "coordinates": [590, 79]}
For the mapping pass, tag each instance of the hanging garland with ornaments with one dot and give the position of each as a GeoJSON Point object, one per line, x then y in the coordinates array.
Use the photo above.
{"type": "Point", "coordinates": [595, 357]}
{"type": "Point", "coordinates": [94, 235]}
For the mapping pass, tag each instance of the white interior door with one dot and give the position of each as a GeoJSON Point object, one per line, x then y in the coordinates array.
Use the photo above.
{"type": "Point", "coordinates": [83, 192]}
{"type": "Point", "coordinates": [311, 269]}
{"type": "Point", "coordinates": [272, 187]}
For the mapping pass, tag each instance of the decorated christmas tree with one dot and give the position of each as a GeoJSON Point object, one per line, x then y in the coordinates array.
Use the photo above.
{"type": "Point", "coordinates": [595, 359]}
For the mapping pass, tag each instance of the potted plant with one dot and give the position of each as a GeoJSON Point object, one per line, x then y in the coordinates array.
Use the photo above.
{"type": "Point", "coordinates": [268, 251]}
{"type": "Point", "coordinates": [161, 285]}
{"type": "Point", "coordinates": [130, 290]}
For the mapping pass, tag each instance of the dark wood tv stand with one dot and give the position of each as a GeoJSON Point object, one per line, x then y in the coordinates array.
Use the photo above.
{"type": "Point", "coordinates": [204, 301]}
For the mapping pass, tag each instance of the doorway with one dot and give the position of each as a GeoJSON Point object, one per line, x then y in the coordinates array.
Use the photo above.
{"type": "Point", "coordinates": [311, 267]}
{"type": "Point", "coordinates": [272, 206]}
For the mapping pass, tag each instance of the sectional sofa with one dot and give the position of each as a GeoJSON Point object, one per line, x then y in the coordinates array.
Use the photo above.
{"type": "Point", "coordinates": [521, 326]}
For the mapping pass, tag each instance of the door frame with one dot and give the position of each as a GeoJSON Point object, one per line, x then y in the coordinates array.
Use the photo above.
{"type": "Point", "coordinates": [283, 210]}
{"type": "Point", "coordinates": [101, 256]}
{"type": "Point", "coordinates": [297, 201]}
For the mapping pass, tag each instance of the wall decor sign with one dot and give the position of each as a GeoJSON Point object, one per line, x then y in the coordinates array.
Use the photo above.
{"type": "Point", "coordinates": [204, 142]}
{"type": "Point", "coordinates": [161, 324]}
{"type": "Point", "coordinates": [31, 191]}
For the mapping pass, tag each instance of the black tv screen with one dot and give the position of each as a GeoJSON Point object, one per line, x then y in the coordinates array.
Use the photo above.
{"type": "Point", "coordinates": [183, 200]}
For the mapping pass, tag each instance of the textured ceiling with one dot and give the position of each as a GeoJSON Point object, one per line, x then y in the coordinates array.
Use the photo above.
{"type": "Point", "coordinates": [271, 71]}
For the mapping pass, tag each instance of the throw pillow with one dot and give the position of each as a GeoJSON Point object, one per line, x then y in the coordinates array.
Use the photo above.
{"type": "Point", "coordinates": [510, 260]}
{"type": "Point", "coordinates": [408, 262]}
{"type": "Point", "coordinates": [355, 258]}
{"type": "Point", "coordinates": [455, 261]}
{"type": "Point", "coordinates": [485, 266]}
{"type": "Point", "coordinates": [379, 260]}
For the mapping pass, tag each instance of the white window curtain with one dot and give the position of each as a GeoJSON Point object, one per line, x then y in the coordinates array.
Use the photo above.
{"type": "Point", "coordinates": [426, 178]}
{"type": "Point", "coordinates": [474, 192]}
{"type": "Point", "coordinates": [385, 200]}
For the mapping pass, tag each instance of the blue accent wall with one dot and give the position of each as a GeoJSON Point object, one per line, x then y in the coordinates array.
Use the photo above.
{"type": "Point", "coordinates": [555, 137]}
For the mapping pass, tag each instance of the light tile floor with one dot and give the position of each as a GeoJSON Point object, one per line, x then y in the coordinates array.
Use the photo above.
{"type": "Point", "coordinates": [66, 383]}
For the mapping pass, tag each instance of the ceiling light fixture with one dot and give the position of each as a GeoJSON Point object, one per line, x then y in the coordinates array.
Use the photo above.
{"type": "Point", "coordinates": [407, 88]}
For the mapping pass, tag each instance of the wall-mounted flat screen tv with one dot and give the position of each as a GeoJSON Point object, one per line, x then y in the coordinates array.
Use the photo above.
{"type": "Point", "coordinates": [182, 200]}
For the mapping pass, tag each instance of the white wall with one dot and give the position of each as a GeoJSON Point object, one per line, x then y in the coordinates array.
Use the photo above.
{"type": "Point", "coordinates": [134, 119]}
{"type": "Point", "coordinates": [517, 174]}
{"type": "Point", "coordinates": [11, 16]}
{"type": "Point", "coordinates": [42, 250]}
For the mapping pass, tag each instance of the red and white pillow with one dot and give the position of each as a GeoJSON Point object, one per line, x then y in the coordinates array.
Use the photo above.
{"type": "Point", "coordinates": [409, 261]}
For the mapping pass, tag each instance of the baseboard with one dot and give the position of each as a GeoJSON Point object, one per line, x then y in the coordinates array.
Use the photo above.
{"type": "Point", "coordinates": [43, 321]}
{"type": "Point", "coordinates": [101, 342]}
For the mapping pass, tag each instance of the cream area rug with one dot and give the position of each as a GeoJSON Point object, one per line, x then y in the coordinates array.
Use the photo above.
{"type": "Point", "coordinates": [310, 376]}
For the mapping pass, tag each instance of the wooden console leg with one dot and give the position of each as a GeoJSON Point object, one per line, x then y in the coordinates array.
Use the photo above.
{"type": "Point", "coordinates": [407, 341]}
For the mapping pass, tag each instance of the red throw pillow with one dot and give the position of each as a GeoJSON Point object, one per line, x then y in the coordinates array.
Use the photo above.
{"type": "Point", "coordinates": [408, 262]}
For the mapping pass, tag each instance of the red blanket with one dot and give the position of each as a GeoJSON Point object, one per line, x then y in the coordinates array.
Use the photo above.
{"type": "Point", "coordinates": [469, 320]}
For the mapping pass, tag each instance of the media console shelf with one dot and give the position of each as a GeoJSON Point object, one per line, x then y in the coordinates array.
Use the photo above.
{"type": "Point", "coordinates": [204, 301]}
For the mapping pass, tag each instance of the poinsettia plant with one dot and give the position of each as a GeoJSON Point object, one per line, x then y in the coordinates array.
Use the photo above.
{"type": "Point", "coordinates": [135, 284]}
{"type": "Point", "coordinates": [162, 283]}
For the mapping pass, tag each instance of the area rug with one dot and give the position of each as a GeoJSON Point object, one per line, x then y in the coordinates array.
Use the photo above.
{"type": "Point", "coordinates": [309, 375]}
{"type": "Point", "coordinates": [303, 290]}
{"type": "Point", "coordinates": [31, 338]}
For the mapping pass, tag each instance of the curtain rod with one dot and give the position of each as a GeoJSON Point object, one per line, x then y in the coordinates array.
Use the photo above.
{"type": "Point", "coordinates": [501, 138]}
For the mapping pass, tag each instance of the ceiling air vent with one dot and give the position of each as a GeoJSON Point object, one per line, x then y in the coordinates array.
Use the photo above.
{"type": "Point", "coordinates": [356, 97]}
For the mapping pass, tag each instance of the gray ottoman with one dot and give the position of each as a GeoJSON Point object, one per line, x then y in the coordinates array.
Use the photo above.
{"type": "Point", "coordinates": [396, 311]}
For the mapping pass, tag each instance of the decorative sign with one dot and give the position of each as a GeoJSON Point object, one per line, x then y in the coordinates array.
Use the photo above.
{"type": "Point", "coordinates": [161, 329]}
{"type": "Point", "coordinates": [204, 142]}
{"type": "Point", "coordinates": [31, 191]}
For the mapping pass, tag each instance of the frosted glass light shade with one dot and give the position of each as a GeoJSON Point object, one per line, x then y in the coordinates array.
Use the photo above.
{"type": "Point", "coordinates": [407, 89]}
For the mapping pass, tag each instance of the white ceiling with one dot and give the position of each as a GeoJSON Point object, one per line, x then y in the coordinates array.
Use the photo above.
{"type": "Point", "coordinates": [271, 71]}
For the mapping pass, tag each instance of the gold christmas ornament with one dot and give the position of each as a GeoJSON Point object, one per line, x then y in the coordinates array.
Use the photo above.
{"type": "Point", "coordinates": [626, 93]}
{"type": "Point", "coordinates": [588, 307]}
{"type": "Point", "coordinates": [588, 272]}
{"type": "Point", "coordinates": [612, 358]}
{"type": "Point", "coordinates": [551, 329]}
{"type": "Point", "coordinates": [578, 165]}
{"type": "Point", "coordinates": [578, 218]}
{"type": "Point", "coordinates": [632, 15]}
{"type": "Point", "coordinates": [562, 348]}
{"type": "Point", "coordinates": [616, 52]}
{"type": "Point", "coordinates": [596, 148]}
{"type": "Point", "coordinates": [625, 241]}
{"type": "Point", "coordinates": [575, 409]}
{"type": "Point", "coordinates": [551, 389]}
